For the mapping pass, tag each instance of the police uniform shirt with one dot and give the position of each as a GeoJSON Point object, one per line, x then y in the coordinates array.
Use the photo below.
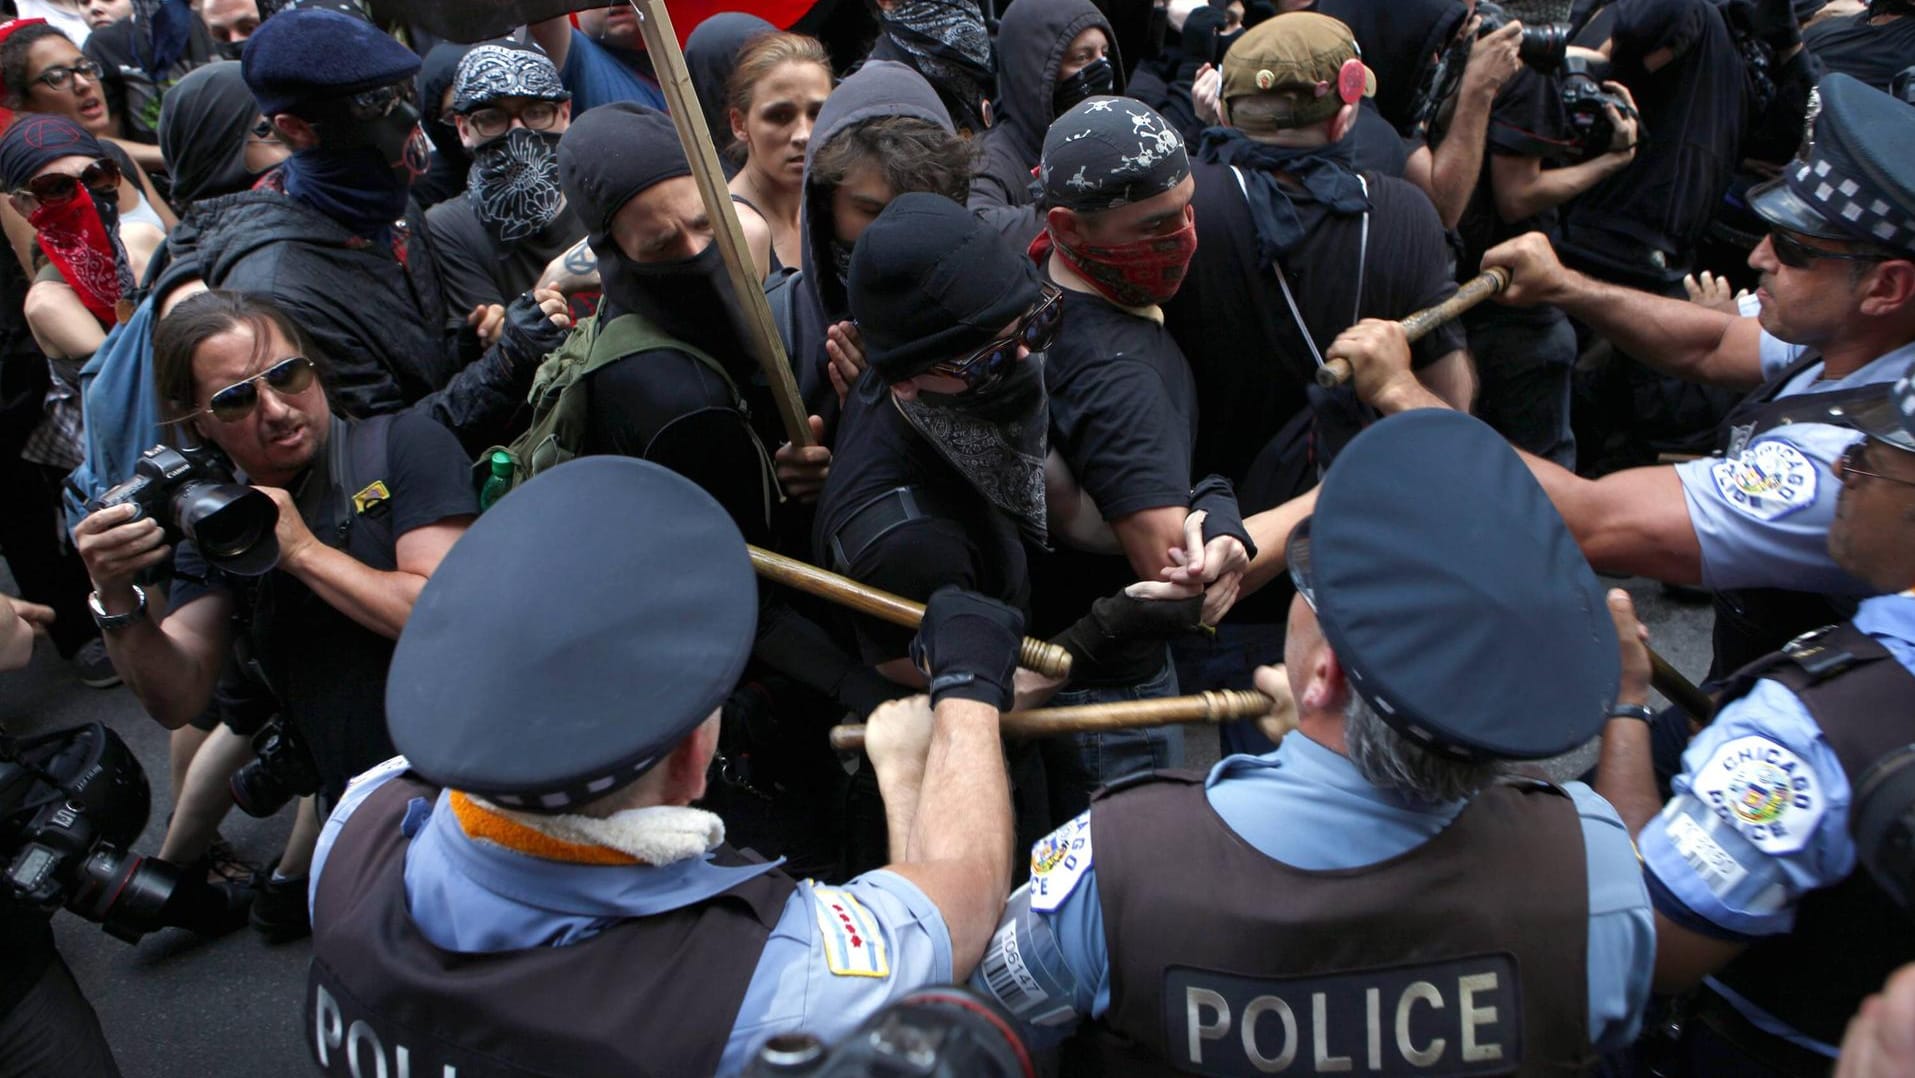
{"type": "Point", "coordinates": [461, 893]}
{"type": "Point", "coordinates": [1308, 807]}
{"type": "Point", "coordinates": [1759, 815]}
{"type": "Point", "coordinates": [1762, 516]}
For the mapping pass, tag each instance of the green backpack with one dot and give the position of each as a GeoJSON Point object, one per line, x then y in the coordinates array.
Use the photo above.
{"type": "Point", "coordinates": [559, 397]}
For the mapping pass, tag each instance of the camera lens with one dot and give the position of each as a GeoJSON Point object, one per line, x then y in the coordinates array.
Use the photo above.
{"type": "Point", "coordinates": [1544, 47]}
{"type": "Point", "coordinates": [257, 790]}
{"type": "Point", "coordinates": [123, 891]}
{"type": "Point", "coordinates": [232, 525]}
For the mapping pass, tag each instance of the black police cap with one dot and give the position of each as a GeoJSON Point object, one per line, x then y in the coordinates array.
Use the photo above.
{"type": "Point", "coordinates": [1857, 182]}
{"type": "Point", "coordinates": [1453, 594]}
{"type": "Point", "coordinates": [580, 630]}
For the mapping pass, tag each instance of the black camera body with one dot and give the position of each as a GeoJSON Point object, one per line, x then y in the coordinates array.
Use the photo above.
{"type": "Point", "coordinates": [1586, 105]}
{"type": "Point", "coordinates": [192, 494]}
{"type": "Point", "coordinates": [71, 804]}
{"type": "Point", "coordinates": [282, 769]}
{"type": "Point", "coordinates": [1544, 47]}
{"type": "Point", "coordinates": [935, 1032]}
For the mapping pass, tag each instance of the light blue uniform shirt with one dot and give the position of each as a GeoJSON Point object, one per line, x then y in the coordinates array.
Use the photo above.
{"type": "Point", "coordinates": [1307, 807]}
{"type": "Point", "coordinates": [835, 955]}
{"type": "Point", "coordinates": [1759, 815]}
{"type": "Point", "coordinates": [1762, 517]}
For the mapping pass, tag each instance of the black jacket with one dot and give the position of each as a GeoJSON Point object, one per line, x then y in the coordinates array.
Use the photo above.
{"type": "Point", "coordinates": [1030, 49]}
{"type": "Point", "coordinates": [382, 327]}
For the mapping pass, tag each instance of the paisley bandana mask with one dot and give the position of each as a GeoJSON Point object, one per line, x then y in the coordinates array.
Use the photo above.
{"type": "Point", "coordinates": [514, 183]}
{"type": "Point", "coordinates": [81, 237]}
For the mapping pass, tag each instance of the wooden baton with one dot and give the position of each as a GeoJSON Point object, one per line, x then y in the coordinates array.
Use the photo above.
{"type": "Point", "coordinates": [1419, 324]}
{"type": "Point", "coordinates": [1219, 706]}
{"type": "Point", "coordinates": [761, 336]}
{"type": "Point", "coordinates": [1047, 659]}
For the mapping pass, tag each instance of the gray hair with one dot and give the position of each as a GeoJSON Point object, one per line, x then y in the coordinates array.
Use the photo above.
{"type": "Point", "coordinates": [1387, 759]}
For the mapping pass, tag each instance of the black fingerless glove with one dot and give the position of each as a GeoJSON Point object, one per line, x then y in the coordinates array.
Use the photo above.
{"type": "Point", "coordinates": [529, 335]}
{"type": "Point", "coordinates": [1121, 640]}
{"type": "Point", "coordinates": [967, 644]}
{"type": "Point", "coordinates": [1221, 514]}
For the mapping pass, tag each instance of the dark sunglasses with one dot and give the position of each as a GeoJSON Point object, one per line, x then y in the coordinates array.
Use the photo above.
{"type": "Point", "coordinates": [287, 377]}
{"type": "Point", "coordinates": [1849, 464]}
{"type": "Point", "coordinates": [1037, 331]}
{"type": "Point", "coordinates": [54, 188]}
{"type": "Point", "coordinates": [1795, 254]}
{"type": "Point", "coordinates": [373, 104]}
{"type": "Point", "coordinates": [59, 76]}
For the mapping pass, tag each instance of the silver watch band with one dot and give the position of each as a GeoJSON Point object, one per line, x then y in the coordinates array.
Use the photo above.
{"type": "Point", "coordinates": [110, 622]}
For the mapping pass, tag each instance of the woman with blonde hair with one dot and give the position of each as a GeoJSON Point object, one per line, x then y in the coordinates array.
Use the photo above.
{"type": "Point", "coordinates": [773, 98]}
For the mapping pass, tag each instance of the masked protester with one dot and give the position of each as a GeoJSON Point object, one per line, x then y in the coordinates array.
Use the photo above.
{"type": "Point", "coordinates": [211, 134]}
{"type": "Point", "coordinates": [1054, 55]}
{"type": "Point", "coordinates": [334, 238]}
{"type": "Point", "coordinates": [230, 22]}
{"type": "Point", "coordinates": [1115, 191]}
{"type": "Point", "coordinates": [451, 161]}
{"type": "Point", "coordinates": [947, 43]}
{"type": "Point", "coordinates": [494, 240]}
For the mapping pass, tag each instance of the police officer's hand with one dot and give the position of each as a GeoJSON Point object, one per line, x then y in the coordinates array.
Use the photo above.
{"type": "Point", "coordinates": [1205, 95]}
{"type": "Point", "coordinates": [897, 738]}
{"type": "Point", "coordinates": [1536, 275]}
{"type": "Point", "coordinates": [1632, 637]}
{"type": "Point", "coordinates": [844, 357]}
{"type": "Point", "coordinates": [967, 645]}
{"type": "Point", "coordinates": [1274, 682]}
{"type": "Point", "coordinates": [1378, 352]}
{"type": "Point", "coordinates": [1880, 1042]}
{"type": "Point", "coordinates": [116, 548]}
{"type": "Point", "coordinates": [802, 469]}
{"type": "Point", "coordinates": [296, 541]}
{"type": "Point", "coordinates": [1494, 59]}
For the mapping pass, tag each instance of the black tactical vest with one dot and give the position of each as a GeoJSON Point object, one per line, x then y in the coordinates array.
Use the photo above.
{"type": "Point", "coordinates": [1751, 622]}
{"type": "Point", "coordinates": [654, 995]}
{"type": "Point", "coordinates": [1848, 937]}
{"type": "Point", "coordinates": [1466, 955]}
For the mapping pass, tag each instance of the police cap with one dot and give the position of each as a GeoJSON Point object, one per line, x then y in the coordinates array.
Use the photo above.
{"type": "Point", "coordinates": [1453, 594]}
{"type": "Point", "coordinates": [1857, 182]}
{"type": "Point", "coordinates": [579, 631]}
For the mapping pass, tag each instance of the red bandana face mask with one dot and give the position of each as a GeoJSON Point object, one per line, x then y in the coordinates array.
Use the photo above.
{"type": "Point", "coordinates": [1139, 274]}
{"type": "Point", "coordinates": [86, 253]}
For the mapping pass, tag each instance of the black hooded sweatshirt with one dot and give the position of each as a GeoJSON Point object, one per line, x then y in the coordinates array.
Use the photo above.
{"type": "Point", "coordinates": [1031, 44]}
{"type": "Point", "coordinates": [1400, 40]}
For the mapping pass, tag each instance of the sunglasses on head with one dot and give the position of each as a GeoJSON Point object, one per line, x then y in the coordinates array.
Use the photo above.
{"type": "Point", "coordinates": [1795, 254]}
{"type": "Point", "coordinates": [53, 188]}
{"type": "Point", "coordinates": [287, 377]}
{"type": "Point", "coordinates": [1036, 331]}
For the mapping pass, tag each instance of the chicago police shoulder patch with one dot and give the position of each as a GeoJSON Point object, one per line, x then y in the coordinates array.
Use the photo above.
{"type": "Point", "coordinates": [1768, 480]}
{"type": "Point", "coordinates": [1764, 790]}
{"type": "Point", "coordinates": [1058, 861]}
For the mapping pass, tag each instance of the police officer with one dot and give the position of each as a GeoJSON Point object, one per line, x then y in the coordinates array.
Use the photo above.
{"type": "Point", "coordinates": [1345, 901]}
{"type": "Point", "coordinates": [1753, 862]}
{"type": "Point", "coordinates": [528, 891]}
{"type": "Point", "coordinates": [1837, 325]}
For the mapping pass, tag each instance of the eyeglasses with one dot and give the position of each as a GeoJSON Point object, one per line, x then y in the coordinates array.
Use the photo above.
{"type": "Point", "coordinates": [289, 376]}
{"type": "Point", "coordinates": [1795, 254]}
{"type": "Point", "coordinates": [59, 76]}
{"type": "Point", "coordinates": [55, 188]}
{"type": "Point", "coordinates": [1846, 465]}
{"type": "Point", "coordinates": [1037, 331]}
{"type": "Point", "coordinates": [493, 120]}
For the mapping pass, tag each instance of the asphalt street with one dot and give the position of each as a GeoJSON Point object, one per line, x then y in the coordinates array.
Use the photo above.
{"type": "Point", "coordinates": [177, 1005]}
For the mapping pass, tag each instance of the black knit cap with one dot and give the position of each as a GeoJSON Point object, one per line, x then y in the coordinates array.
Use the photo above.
{"type": "Point", "coordinates": [930, 282]}
{"type": "Point", "coordinates": [566, 643]}
{"type": "Point", "coordinates": [613, 152]}
{"type": "Point", "coordinates": [310, 55]}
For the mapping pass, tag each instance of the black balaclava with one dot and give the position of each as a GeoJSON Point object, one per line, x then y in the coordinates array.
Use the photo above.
{"type": "Point", "coordinates": [205, 121]}
{"type": "Point", "coordinates": [607, 157]}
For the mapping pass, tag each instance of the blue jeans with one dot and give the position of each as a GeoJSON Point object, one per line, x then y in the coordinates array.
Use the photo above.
{"type": "Point", "coordinates": [1227, 661]}
{"type": "Point", "coordinates": [1075, 765]}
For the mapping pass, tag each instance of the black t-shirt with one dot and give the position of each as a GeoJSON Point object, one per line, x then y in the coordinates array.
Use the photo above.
{"type": "Point", "coordinates": [1123, 410]}
{"type": "Point", "coordinates": [667, 407]}
{"type": "Point", "coordinates": [474, 268]}
{"type": "Point", "coordinates": [963, 539]}
{"type": "Point", "coordinates": [1872, 52]}
{"type": "Point", "coordinates": [329, 670]}
{"type": "Point", "coordinates": [1527, 120]}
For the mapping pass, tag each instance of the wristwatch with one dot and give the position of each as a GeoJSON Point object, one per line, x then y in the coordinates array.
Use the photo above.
{"type": "Point", "coordinates": [1633, 711]}
{"type": "Point", "coordinates": [111, 622]}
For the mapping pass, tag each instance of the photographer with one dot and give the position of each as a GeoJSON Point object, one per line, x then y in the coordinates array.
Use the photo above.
{"type": "Point", "coordinates": [43, 1016]}
{"type": "Point", "coordinates": [366, 510]}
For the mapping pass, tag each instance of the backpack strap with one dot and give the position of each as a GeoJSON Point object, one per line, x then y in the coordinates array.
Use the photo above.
{"type": "Point", "coordinates": [362, 510]}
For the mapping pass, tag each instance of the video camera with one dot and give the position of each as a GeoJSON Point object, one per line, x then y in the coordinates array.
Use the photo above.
{"type": "Point", "coordinates": [192, 494]}
{"type": "Point", "coordinates": [72, 802]}
{"type": "Point", "coordinates": [945, 1031]}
